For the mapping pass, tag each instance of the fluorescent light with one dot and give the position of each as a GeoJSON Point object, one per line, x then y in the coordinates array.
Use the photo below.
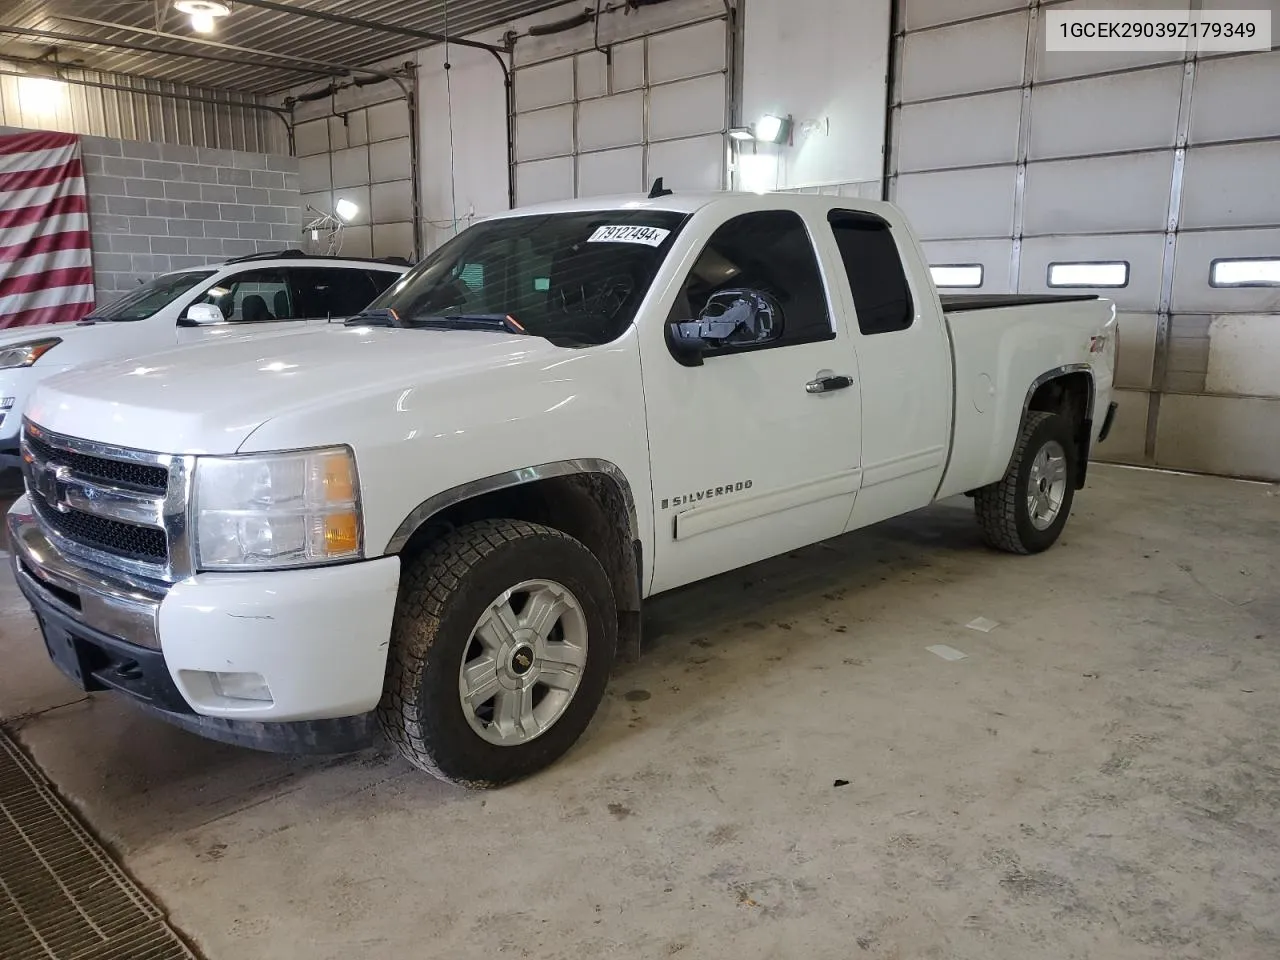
{"type": "Point", "coordinates": [1102, 273]}
{"type": "Point", "coordinates": [346, 209]}
{"type": "Point", "coordinates": [742, 133]}
{"type": "Point", "coordinates": [773, 129]}
{"type": "Point", "coordinates": [1245, 272]}
{"type": "Point", "coordinates": [957, 275]}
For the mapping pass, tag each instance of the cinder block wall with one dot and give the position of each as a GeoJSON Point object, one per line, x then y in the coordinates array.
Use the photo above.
{"type": "Point", "coordinates": [155, 207]}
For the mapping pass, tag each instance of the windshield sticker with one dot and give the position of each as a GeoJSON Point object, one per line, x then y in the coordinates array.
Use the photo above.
{"type": "Point", "coordinates": [649, 236]}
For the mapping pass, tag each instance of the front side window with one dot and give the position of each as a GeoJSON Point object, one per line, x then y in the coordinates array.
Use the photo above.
{"type": "Point", "coordinates": [881, 295]}
{"type": "Point", "coordinates": [255, 296]}
{"type": "Point", "coordinates": [331, 291]}
{"type": "Point", "coordinates": [151, 297]}
{"type": "Point", "coordinates": [756, 284]}
{"type": "Point", "coordinates": [575, 278]}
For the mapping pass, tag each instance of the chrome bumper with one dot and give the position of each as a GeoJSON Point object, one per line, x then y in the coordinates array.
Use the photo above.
{"type": "Point", "coordinates": [118, 606]}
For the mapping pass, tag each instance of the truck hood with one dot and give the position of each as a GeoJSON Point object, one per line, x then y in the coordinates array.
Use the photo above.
{"type": "Point", "coordinates": [208, 398]}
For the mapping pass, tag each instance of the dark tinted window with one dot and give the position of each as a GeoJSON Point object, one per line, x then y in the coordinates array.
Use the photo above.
{"type": "Point", "coordinates": [255, 296]}
{"type": "Point", "coordinates": [874, 265]}
{"type": "Point", "coordinates": [760, 267]}
{"type": "Point", "coordinates": [574, 278]}
{"type": "Point", "coordinates": [332, 291]}
{"type": "Point", "coordinates": [152, 296]}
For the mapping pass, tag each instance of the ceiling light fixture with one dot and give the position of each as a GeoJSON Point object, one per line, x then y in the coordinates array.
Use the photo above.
{"type": "Point", "coordinates": [203, 13]}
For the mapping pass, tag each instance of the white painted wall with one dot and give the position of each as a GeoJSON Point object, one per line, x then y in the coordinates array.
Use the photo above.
{"type": "Point", "coordinates": [824, 62]}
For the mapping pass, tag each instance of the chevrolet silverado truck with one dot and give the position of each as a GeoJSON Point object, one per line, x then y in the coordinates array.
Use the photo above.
{"type": "Point", "coordinates": [263, 293]}
{"type": "Point", "coordinates": [439, 519]}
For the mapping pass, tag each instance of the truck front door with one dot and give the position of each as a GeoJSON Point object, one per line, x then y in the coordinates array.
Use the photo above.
{"type": "Point", "coordinates": [756, 450]}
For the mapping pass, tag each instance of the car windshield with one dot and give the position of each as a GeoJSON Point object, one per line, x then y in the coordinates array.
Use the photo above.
{"type": "Point", "coordinates": [573, 278]}
{"type": "Point", "coordinates": [151, 296]}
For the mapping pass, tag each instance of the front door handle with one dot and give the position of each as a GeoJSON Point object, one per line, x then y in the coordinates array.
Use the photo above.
{"type": "Point", "coordinates": [827, 384]}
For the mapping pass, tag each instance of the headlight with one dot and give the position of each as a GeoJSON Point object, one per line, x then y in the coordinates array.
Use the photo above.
{"type": "Point", "coordinates": [277, 510]}
{"type": "Point", "coordinates": [25, 354]}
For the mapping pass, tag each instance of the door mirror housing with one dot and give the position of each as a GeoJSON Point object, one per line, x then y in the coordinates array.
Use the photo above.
{"type": "Point", "coordinates": [200, 314]}
{"type": "Point", "coordinates": [686, 343]}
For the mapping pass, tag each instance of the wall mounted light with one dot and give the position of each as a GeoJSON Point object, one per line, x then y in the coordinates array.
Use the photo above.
{"type": "Point", "coordinates": [773, 129]}
{"type": "Point", "coordinates": [346, 209]}
{"type": "Point", "coordinates": [741, 133]}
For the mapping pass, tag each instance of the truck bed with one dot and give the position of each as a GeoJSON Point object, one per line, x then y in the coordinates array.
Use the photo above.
{"type": "Point", "coordinates": [960, 302]}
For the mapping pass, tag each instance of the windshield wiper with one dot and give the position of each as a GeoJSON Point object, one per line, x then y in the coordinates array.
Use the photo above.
{"type": "Point", "coordinates": [499, 322]}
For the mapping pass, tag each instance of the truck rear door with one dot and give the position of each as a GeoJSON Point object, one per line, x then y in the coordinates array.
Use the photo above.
{"type": "Point", "coordinates": [902, 347]}
{"type": "Point", "coordinates": [756, 450]}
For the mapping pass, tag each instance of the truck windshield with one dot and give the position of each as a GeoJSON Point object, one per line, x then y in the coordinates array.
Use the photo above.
{"type": "Point", "coordinates": [151, 296]}
{"type": "Point", "coordinates": [576, 279]}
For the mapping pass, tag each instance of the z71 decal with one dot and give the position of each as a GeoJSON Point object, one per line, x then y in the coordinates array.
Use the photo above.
{"type": "Point", "coordinates": [708, 494]}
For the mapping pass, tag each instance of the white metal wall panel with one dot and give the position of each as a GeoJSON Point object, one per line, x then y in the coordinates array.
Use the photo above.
{"type": "Point", "coordinates": [1233, 186]}
{"type": "Point", "coordinates": [545, 133]}
{"type": "Point", "coordinates": [1059, 64]}
{"type": "Point", "coordinates": [966, 58]}
{"type": "Point", "coordinates": [616, 121]}
{"type": "Point", "coordinates": [1196, 251]}
{"type": "Point", "coordinates": [1128, 111]}
{"type": "Point", "coordinates": [687, 53]}
{"type": "Point", "coordinates": [692, 165]}
{"type": "Point", "coordinates": [609, 172]}
{"type": "Point", "coordinates": [1098, 195]}
{"type": "Point", "coordinates": [919, 15]}
{"type": "Point", "coordinates": [389, 160]}
{"type": "Point", "coordinates": [1012, 157]}
{"type": "Point", "coordinates": [959, 204]}
{"type": "Point", "coordinates": [1237, 97]}
{"type": "Point", "coordinates": [1143, 252]}
{"type": "Point", "coordinates": [388, 201]}
{"type": "Point", "coordinates": [650, 106]}
{"type": "Point", "coordinates": [959, 133]}
{"type": "Point", "coordinates": [350, 166]}
{"type": "Point", "coordinates": [544, 180]}
{"type": "Point", "coordinates": [687, 109]}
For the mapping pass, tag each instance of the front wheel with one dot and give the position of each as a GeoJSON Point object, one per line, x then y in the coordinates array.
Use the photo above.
{"type": "Point", "coordinates": [1025, 511]}
{"type": "Point", "coordinates": [501, 647]}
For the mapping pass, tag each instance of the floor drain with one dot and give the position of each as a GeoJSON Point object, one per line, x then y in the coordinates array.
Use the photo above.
{"type": "Point", "coordinates": [62, 897]}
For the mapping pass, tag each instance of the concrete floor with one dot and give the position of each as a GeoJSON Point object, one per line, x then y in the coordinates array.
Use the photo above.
{"type": "Point", "coordinates": [1099, 778]}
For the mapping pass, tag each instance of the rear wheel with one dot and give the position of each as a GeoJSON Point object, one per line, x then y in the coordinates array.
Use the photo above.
{"type": "Point", "coordinates": [1025, 511]}
{"type": "Point", "coordinates": [501, 648]}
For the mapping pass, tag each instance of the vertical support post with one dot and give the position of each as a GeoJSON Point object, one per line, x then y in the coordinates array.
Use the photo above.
{"type": "Point", "coordinates": [1030, 56]}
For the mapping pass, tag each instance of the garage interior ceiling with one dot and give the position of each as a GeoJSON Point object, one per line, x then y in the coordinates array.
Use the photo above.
{"type": "Point", "coordinates": [148, 38]}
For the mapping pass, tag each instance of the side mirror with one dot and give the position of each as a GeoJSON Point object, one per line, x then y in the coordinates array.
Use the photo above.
{"type": "Point", "coordinates": [199, 314]}
{"type": "Point", "coordinates": [685, 342]}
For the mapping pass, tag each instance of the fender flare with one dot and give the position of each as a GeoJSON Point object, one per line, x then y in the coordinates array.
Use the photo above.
{"type": "Point", "coordinates": [432, 506]}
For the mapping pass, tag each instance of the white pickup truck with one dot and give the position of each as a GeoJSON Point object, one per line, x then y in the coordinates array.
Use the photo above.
{"type": "Point", "coordinates": [439, 519]}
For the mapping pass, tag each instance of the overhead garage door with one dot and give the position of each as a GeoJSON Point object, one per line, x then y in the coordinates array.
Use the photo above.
{"type": "Point", "coordinates": [590, 123]}
{"type": "Point", "coordinates": [1131, 174]}
{"type": "Point", "coordinates": [362, 155]}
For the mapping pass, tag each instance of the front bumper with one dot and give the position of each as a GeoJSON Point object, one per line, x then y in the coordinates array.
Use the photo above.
{"type": "Point", "coordinates": [317, 639]}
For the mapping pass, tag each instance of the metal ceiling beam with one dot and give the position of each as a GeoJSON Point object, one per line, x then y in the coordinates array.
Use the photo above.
{"type": "Point", "coordinates": [77, 39]}
{"type": "Point", "coordinates": [345, 20]}
{"type": "Point", "coordinates": [339, 69]}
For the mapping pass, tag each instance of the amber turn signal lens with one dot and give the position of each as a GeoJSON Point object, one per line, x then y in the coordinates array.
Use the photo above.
{"type": "Point", "coordinates": [338, 479]}
{"type": "Point", "coordinates": [341, 534]}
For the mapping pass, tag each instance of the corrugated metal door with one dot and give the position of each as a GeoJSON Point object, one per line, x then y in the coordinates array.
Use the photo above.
{"type": "Point", "coordinates": [362, 155]}
{"type": "Point", "coordinates": [1125, 173]}
{"type": "Point", "coordinates": [590, 123]}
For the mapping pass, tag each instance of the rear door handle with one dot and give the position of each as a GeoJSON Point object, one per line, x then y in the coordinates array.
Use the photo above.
{"type": "Point", "coordinates": [828, 384]}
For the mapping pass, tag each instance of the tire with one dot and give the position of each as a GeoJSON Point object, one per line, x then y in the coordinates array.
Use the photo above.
{"type": "Point", "coordinates": [445, 616]}
{"type": "Point", "coordinates": [1004, 508]}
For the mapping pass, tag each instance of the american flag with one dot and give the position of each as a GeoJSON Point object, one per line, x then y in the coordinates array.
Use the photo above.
{"type": "Point", "coordinates": [46, 268]}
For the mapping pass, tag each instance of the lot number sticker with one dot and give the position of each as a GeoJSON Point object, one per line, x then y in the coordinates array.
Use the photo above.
{"type": "Point", "coordinates": [649, 236]}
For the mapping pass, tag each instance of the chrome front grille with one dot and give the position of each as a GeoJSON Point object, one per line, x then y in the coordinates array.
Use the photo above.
{"type": "Point", "coordinates": [114, 507]}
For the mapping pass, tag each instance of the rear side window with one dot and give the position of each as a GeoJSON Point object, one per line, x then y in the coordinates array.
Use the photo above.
{"type": "Point", "coordinates": [383, 279]}
{"type": "Point", "coordinates": [762, 266]}
{"type": "Point", "coordinates": [871, 259]}
{"type": "Point", "coordinates": [332, 291]}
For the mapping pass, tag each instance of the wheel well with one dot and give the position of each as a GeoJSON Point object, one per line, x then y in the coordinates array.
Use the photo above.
{"type": "Point", "coordinates": [590, 507]}
{"type": "Point", "coordinates": [1070, 396]}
